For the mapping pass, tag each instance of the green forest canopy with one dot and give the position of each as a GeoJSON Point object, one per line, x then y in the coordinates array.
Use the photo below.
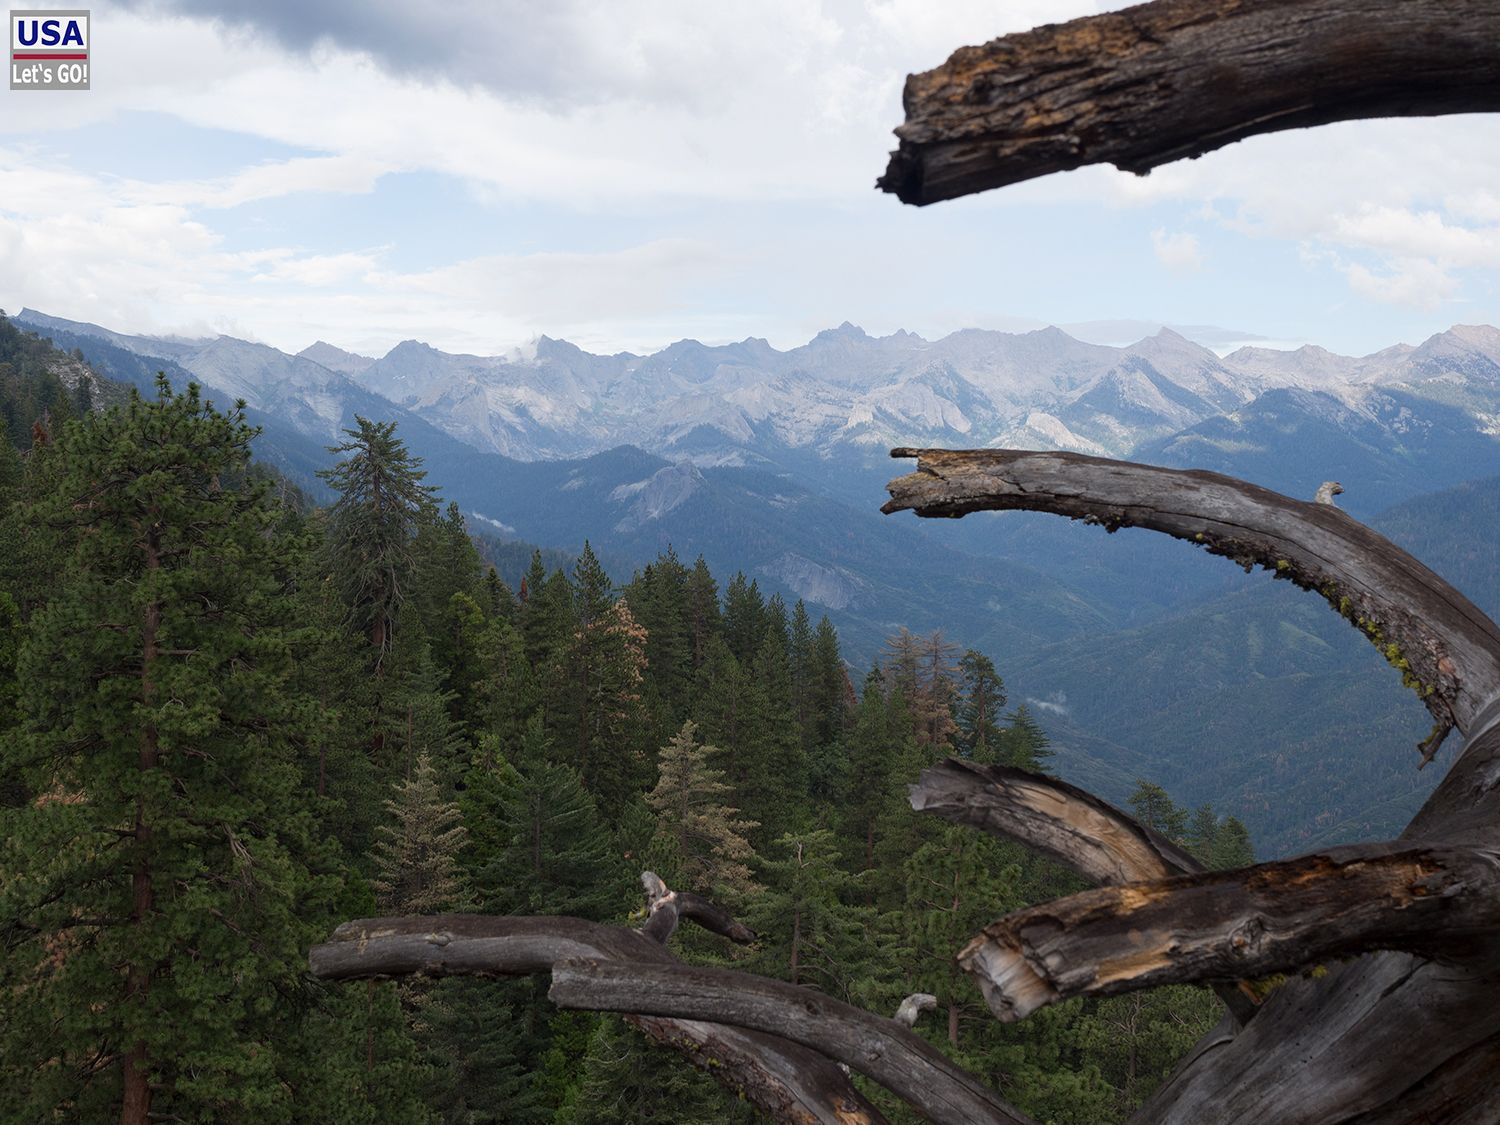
{"type": "Point", "coordinates": [229, 721]}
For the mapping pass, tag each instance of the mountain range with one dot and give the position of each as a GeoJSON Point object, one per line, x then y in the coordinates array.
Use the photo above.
{"type": "Point", "coordinates": [772, 462]}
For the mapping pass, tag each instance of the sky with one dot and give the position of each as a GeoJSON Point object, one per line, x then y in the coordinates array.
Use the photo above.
{"type": "Point", "coordinates": [625, 173]}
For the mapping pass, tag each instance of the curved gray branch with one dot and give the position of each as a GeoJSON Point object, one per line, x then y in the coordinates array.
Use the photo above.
{"type": "Point", "coordinates": [1388, 1038]}
{"type": "Point", "coordinates": [881, 1048]}
{"type": "Point", "coordinates": [666, 907]}
{"type": "Point", "coordinates": [1062, 821]}
{"type": "Point", "coordinates": [788, 1081]}
{"type": "Point", "coordinates": [1177, 78]}
{"type": "Point", "coordinates": [1447, 650]}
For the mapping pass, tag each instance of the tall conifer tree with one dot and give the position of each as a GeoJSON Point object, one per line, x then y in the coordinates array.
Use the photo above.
{"type": "Point", "coordinates": [159, 933]}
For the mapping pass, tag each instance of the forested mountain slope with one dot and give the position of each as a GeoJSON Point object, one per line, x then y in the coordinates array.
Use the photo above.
{"type": "Point", "coordinates": [228, 721]}
{"type": "Point", "coordinates": [1263, 701]}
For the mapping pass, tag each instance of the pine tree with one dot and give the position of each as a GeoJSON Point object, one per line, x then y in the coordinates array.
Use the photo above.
{"type": "Point", "coordinates": [704, 618]}
{"type": "Point", "coordinates": [722, 708]}
{"type": "Point", "coordinates": [800, 658]}
{"type": "Point", "coordinates": [831, 706]}
{"type": "Point", "coordinates": [507, 691]}
{"type": "Point", "coordinates": [1023, 742]}
{"type": "Point", "coordinates": [332, 670]}
{"type": "Point", "coordinates": [932, 709]}
{"type": "Point", "coordinates": [955, 885]}
{"type": "Point", "coordinates": [447, 562]}
{"type": "Point", "coordinates": [1202, 830]}
{"type": "Point", "coordinates": [499, 598]}
{"type": "Point", "coordinates": [625, 1079]}
{"type": "Point", "coordinates": [412, 715]}
{"type": "Point", "coordinates": [598, 706]}
{"type": "Point", "coordinates": [1154, 808]}
{"type": "Point", "coordinates": [538, 844]}
{"type": "Point", "coordinates": [382, 503]}
{"type": "Point", "coordinates": [809, 931]}
{"type": "Point", "coordinates": [703, 837]}
{"type": "Point", "coordinates": [773, 792]}
{"type": "Point", "coordinates": [744, 618]}
{"type": "Point", "coordinates": [158, 934]}
{"type": "Point", "coordinates": [777, 622]}
{"type": "Point", "coordinates": [1231, 846]}
{"type": "Point", "coordinates": [416, 852]}
{"type": "Point", "coordinates": [871, 759]}
{"type": "Point", "coordinates": [901, 667]}
{"type": "Point", "coordinates": [10, 470]}
{"type": "Point", "coordinates": [658, 597]}
{"type": "Point", "coordinates": [979, 735]}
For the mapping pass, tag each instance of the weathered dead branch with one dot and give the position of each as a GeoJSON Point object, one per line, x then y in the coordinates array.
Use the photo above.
{"type": "Point", "coordinates": [882, 1048]}
{"type": "Point", "coordinates": [783, 1079]}
{"type": "Point", "coordinates": [1447, 650]}
{"type": "Point", "coordinates": [1223, 925]}
{"type": "Point", "coordinates": [666, 907]}
{"type": "Point", "coordinates": [1061, 821]}
{"type": "Point", "coordinates": [1071, 826]}
{"type": "Point", "coordinates": [1159, 82]}
{"type": "Point", "coordinates": [1385, 1037]}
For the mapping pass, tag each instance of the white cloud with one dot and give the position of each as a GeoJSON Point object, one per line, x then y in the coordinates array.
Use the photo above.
{"type": "Point", "coordinates": [342, 174]}
{"type": "Point", "coordinates": [648, 104]}
{"type": "Point", "coordinates": [1415, 282]}
{"type": "Point", "coordinates": [1178, 252]}
{"type": "Point", "coordinates": [1404, 234]}
{"type": "Point", "coordinates": [1057, 705]}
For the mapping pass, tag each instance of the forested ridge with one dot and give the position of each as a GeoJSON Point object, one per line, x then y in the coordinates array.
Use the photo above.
{"type": "Point", "coordinates": [230, 720]}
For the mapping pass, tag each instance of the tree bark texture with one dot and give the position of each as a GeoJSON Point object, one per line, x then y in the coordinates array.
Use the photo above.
{"type": "Point", "coordinates": [1443, 903]}
{"type": "Point", "coordinates": [1061, 821]}
{"type": "Point", "coordinates": [1158, 82]}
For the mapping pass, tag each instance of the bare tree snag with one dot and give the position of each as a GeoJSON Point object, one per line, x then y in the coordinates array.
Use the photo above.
{"type": "Point", "coordinates": [1073, 827]}
{"type": "Point", "coordinates": [785, 1080]}
{"type": "Point", "coordinates": [1274, 917]}
{"type": "Point", "coordinates": [883, 1049]}
{"type": "Point", "coordinates": [1389, 1036]}
{"type": "Point", "coordinates": [1160, 82]}
{"type": "Point", "coordinates": [1447, 650]}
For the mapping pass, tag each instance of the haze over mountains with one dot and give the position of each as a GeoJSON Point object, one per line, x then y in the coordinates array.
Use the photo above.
{"type": "Point", "coordinates": [772, 462]}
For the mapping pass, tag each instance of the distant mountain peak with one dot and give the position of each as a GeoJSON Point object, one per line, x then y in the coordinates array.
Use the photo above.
{"type": "Point", "coordinates": [336, 359]}
{"type": "Point", "coordinates": [845, 331]}
{"type": "Point", "coordinates": [412, 347]}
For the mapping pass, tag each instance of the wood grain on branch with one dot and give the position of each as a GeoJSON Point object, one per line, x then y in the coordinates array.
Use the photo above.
{"type": "Point", "coordinates": [790, 1082]}
{"type": "Point", "coordinates": [1050, 816]}
{"type": "Point", "coordinates": [1275, 917]}
{"type": "Point", "coordinates": [1387, 1038]}
{"type": "Point", "coordinates": [1163, 81]}
{"type": "Point", "coordinates": [1447, 650]}
{"type": "Point", "coordinates": [881, 1048]}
